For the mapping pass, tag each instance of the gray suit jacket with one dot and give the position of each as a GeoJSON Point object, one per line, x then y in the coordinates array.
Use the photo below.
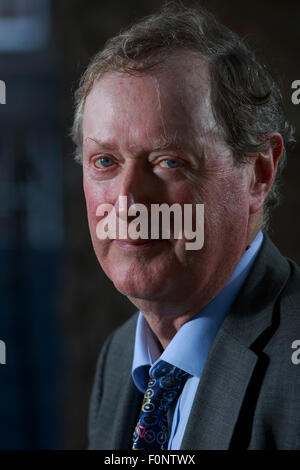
{"type": "Point", "coordinates": [249, 392]}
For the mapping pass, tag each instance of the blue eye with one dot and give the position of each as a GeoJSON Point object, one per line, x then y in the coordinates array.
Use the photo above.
{"type": "Point", "coordinates": [169, 163]}
{"type": "Point", "coordinates": [103, 162]}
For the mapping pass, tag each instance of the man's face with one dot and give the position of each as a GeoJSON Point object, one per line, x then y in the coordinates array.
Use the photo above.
{"type": "Point", "coordinates": [153, 138]}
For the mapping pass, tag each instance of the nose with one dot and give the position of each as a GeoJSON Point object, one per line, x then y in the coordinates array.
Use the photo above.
{"type": "Point", "coordinates": [135, 186]}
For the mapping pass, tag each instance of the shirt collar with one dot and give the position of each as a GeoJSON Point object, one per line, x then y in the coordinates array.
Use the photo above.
{"type": "Point", "coordinates": [190, 346]}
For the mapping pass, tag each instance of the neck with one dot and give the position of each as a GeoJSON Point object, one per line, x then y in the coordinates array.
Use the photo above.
{"type": "Point", "coordinates": [165, 329]}
{"type": "Point", "coordinates": [166, 316]}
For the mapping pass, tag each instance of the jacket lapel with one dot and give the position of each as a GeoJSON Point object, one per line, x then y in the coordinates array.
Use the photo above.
{"type": "Point", "coordinates": [220, 395]}
{"type": "Point", "coordinates": [119, 399]}
{"type": "Point", "coordinates": [236, 354]}
{"type": "Point", "coordinates": [128, 414]}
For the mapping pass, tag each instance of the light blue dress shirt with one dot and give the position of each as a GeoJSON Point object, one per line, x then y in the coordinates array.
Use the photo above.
{"type": "Point", "coordinates": [189, 348]}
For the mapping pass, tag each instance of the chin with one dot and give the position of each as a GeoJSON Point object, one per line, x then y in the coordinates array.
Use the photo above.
{"type": "Point", "coordinates": [138, 286]}
{"type": "Point", "coordinates": [138, 278]}
{"type": "Point", "coordinates": [137, 291]}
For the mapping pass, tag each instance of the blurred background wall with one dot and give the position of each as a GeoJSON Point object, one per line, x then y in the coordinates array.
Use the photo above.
{"type": "Point", "coordinates": [56, 304]}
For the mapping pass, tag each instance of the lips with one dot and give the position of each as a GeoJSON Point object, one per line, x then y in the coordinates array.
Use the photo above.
{"type": "Point", "coordinates": [139, 241]}
{"type": "Point", "coordinates": [137, 244]}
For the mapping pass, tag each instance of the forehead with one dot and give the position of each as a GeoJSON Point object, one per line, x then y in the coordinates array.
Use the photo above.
{"type": "Point", "coordinates": [172, 101]}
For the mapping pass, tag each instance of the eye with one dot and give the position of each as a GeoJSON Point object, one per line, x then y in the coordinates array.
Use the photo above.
{"type": "Point", "coordinates": [103, 162]}
{"type": "Point", "coordinates": [168, 163]}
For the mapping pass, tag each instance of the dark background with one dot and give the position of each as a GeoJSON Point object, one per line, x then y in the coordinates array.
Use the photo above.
{"type": "Point", "coordinates": [56, 305]}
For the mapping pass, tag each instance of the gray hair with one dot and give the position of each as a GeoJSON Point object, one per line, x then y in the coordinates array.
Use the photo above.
{"type": "Point", "coordinates": [246, 101]}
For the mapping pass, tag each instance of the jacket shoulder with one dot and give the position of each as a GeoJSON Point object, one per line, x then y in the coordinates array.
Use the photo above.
{"type": "Point", "coordinates": [113, 367]}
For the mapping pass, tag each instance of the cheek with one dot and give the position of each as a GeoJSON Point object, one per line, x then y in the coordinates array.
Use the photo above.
{"type": "Point", "coordinates": [226, 207]}
{"type": "Point", "coordinates": [95, 195]}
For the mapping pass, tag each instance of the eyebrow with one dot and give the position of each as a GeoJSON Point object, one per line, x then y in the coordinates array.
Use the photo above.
{"type": "Point", "coordinates": [166, 143]}
{"type": "Point", "coordinates": [160, 144]}
{"type": "Point", "coordinates": [108, 144]}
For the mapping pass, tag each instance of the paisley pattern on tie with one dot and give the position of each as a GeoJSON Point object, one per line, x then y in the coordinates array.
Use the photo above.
{"type": "Point", "coordinates": [165, 384]}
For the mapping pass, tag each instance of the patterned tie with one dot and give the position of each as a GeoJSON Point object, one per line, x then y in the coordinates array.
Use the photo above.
{"type": "Point", "coordinates": [151, 432]}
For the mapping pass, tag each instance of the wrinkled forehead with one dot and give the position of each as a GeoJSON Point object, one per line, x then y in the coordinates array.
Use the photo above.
{"type": "Point", "coordinates": [171, 100]}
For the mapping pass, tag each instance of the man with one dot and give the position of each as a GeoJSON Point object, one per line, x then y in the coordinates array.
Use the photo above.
{"type": "Point", "coordinates": [177, 110]}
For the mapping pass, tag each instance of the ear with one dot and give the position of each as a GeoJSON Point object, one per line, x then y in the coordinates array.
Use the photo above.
{"type": "Point", "coordinates": [264, 172]}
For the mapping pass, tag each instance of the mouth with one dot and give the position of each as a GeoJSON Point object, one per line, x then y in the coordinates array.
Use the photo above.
{"type": "Point", "coordinates": [138, 245]}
